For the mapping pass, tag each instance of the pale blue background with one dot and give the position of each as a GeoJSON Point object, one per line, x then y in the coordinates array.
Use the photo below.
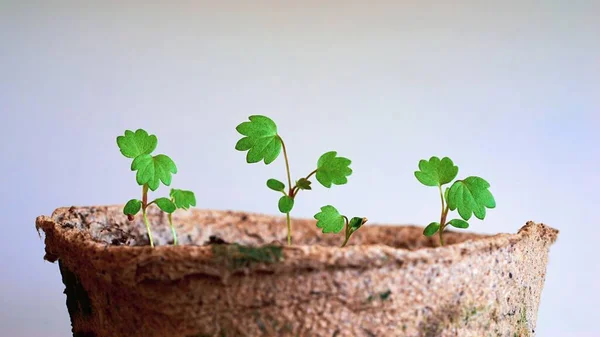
{"type": "Point", "coordinates": [508, 89]}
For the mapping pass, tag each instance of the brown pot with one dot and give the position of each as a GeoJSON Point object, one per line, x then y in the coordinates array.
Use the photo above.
{"type": "Point", "coordinates": [390, 280]}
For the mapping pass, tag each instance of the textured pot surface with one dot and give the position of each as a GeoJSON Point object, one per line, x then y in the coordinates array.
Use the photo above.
{"type": "Point", "coordinates": [233, 277]}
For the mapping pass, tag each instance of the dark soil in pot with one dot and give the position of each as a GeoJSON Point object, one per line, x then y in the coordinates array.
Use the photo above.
{"type": "Point", "coordinates": [234, 277]}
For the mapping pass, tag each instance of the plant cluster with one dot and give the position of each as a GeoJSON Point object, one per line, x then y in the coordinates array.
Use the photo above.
{"type": "Point", "coordinates": [469, 196]}
{"type": "Point", "coordinates": [150, 172]}
{"type": "Point", "coordinates": [263, 143]}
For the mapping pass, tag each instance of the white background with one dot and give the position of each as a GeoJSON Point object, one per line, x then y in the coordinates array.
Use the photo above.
{"type": "Point", "coordinates": [509, 90]}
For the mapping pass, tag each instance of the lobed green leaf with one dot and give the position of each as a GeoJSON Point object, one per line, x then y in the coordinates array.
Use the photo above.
{"type": "Point", "coordinates": [152, 170]}
{"type": "Point", "coordinates": [304, 184]}
{"type": "Point", "coordinates": [471, 196]}
{"type": "Point", "coordinates": [330, 220]}
{"type": "Point", "coordinates": [133, 144]}
{"type": "Point", "coordinates": [436, 172]}
{"type": "Point", "coordinates": [261, 139]}
{"type": "Point", "coordinates": [183, 199]}
{"type": "Point", "coordinates": [332, 169]}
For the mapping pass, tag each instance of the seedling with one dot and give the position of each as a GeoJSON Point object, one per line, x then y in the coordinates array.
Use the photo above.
{"type": "Point", "coordinates": [151, 171]}
{"type": "Point", "coordinates": [331, 221]}
{"type": "Point", "coordinates": [263, 143]}
{"type": "Point", "coordinates": [469, 196]}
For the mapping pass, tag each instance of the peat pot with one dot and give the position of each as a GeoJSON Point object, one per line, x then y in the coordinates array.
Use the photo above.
{"type": "Point", "coordinates": [233, 275]}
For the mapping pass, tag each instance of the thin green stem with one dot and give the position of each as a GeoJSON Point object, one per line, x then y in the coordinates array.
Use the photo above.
{"type": "Point", "coordinates": [442, 216]}
{"type": "Point", "coordinates": [173, 229]}
{"type": "Point", "coordinates": [346, 241]}
{"type": "Point", "coordinates": [287, 165]}
{"type": "Point", "coordinates": [291, 190]}
{"type": "Point", "coordinates": [144, 206]}
{"type": "Point", "coordinates": [148, 227]}
{"type": "Point", "coordinates": [348, 233]}
{"type": "Point", "coordinates": [289, 228]}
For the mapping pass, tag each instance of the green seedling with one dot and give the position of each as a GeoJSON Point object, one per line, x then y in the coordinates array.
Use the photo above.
{"type": "Point", "coordinates": [330, 220]}
{"type": "Point", "coordinates": [469, 196]}
{"type": "Point", "coordinates": [151, 171]}
{"type": "Point", "coordinates": [263, 143]}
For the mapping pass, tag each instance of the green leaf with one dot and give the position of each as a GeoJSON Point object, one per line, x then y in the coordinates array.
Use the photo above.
{"type": "Point", "coordinates": [332, 169]}
{"type": "Point", "coordinates": [356, 222]}
{"type": "Point", "coordinates": [183, 199]}
{"type": "Point", "coordinates": [436, 172]}
{"type": "Point", "coordinates": [275, 185]}
{"type": "Point", "coordinates": [165, 204]}
{"type": "Point", "coordinates": [132, 207]}
{"type": "Point", "coordinates": [261, 139]}
{"type": "Point", "coordinates": [431, 229]}
{"type": "Point", "coordinates": [286, 204]}
{"type": "Point", "coordinates": [459, 223]}
{"type": "Point", "coordinates": [133, 144]}
{"type": "Point", "coordinates": [471, 196]}
{"type": "Point", "coordinates": [304, 184]}
{"type": "Point", "coordinates": [152, 170]}
{"type": "Point", "coordinates": [330, 220]}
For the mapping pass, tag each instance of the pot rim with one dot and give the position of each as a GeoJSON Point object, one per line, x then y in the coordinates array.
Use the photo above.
{"type": "Point", "coordinates": [61, 240]}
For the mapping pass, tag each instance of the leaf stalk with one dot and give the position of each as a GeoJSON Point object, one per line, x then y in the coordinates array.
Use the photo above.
{"type": "Point", "coordinates": [144, 206]}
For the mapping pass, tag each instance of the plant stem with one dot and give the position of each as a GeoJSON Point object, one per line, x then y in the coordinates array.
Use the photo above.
{"type": "Point", "coordinates": [346, 241]}
{"type": "Point", "coordinates": [173, 229]}
{"type": "Point", "coordinates": [287, 166]}
{"type": "Point", "coordinates": [290, 192]}
{"type": "Point", "coordinates": [442, 216]}
{"type": "Point", "coordinates": [148, 227]}
{"type": "Point", "coordinates": [347, 232]}
{"type": "Point", "coordinates": [144, 206]}
{"type": "Point", "coordinates": [310, 174]}
{"type": "Point", "coordinates": [289, 228]}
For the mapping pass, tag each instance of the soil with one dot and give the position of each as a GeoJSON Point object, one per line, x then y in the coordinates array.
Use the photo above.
{"type": "Point", "coordinates": [204, 227]}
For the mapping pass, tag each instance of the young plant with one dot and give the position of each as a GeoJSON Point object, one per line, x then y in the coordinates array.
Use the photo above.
{"type": "Point", "coordinates": [469, 196]}
{"type": "Point", "coordinates": [263, 143]}
{"type": "Point", "coordinates": [331, 221]}
{"type": "Point", "coordinates": [151, 171]}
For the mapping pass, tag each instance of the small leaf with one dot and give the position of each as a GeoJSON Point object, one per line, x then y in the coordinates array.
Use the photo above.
{"type": "Point", "coordinates": [304, 184]}
{"type": "Point", "coordinates": [132, 207]}
{"type": "Point", "coordinates": [330, 220]}
{"type": "Point", "coordinates": [286, 204]}
{"type": "Point", "coordinates": [152, 170]}
{"type": "Point", "coordinates": [459, 223]}
{"type": "Point", "coordinates": [275, 185]}
{"type": "Point", "coordinates": [356, 222]}
{"type": "Point", "coordinates": [183, 199]}
{"type": "Point", "coordinates": [436, 172]}
{"type": "Point", "coordinates": [261, 139]}
{"type": "Point", "coordinates": [471, 196]}
{"type": "Point", "coordinates": [165, 204]}
{"type": "Point", "coordinates": [332, 169]}
{"type": "Point", "coordinates": [431, 229]}
{"type": "Point", "coordinates": [133, 144]}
